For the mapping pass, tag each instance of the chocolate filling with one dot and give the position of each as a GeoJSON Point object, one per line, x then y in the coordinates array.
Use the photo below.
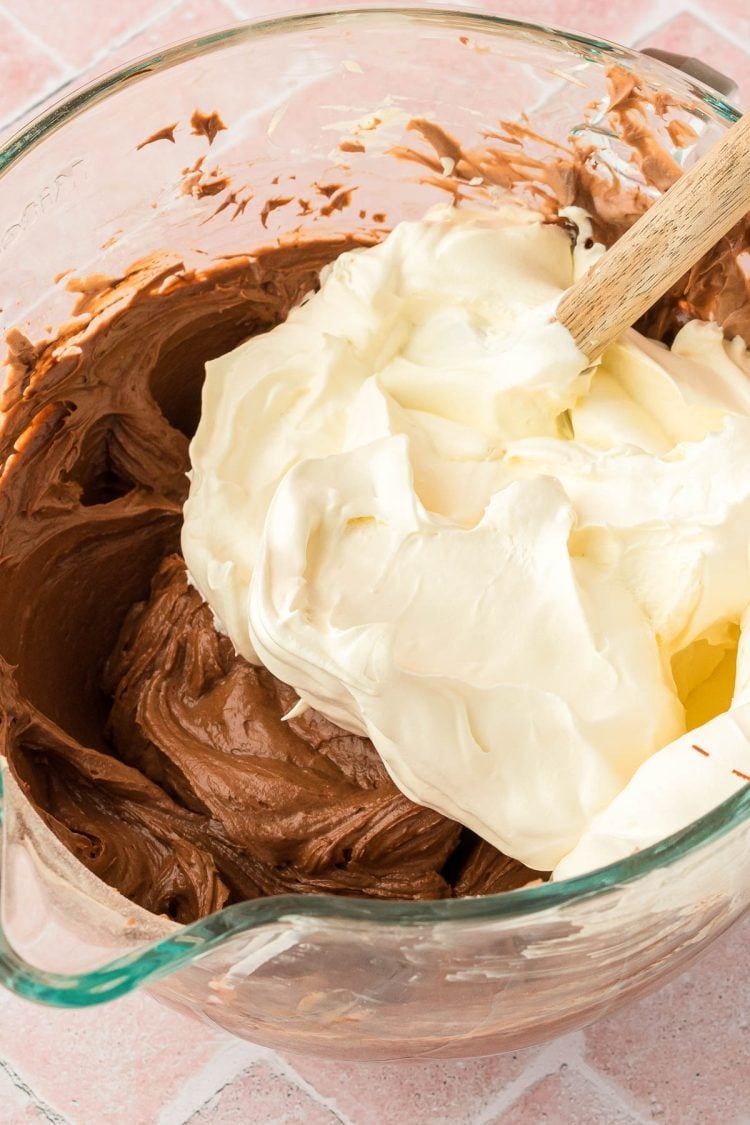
{"type": "Point", "coordinates": [153, 751]}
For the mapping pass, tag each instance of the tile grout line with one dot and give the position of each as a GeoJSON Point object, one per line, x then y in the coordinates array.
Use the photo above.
{"type": "Point", "coordinates": [659, 16]}
{"type": "Point", "coordinates": [51, 52]}
{"type": "Point", "coordinates": [287, 1070]}
{"type": "Point", "coordinates": [48, 93]}
{"type": "Point", "coordinates": [641, 40]}
{"type": "Point", "coordinates": [601, 1081]}
{"type": "Point", "coordinates": [123, 39]}
{"type": "Point", "coordinates": [552, 1058]}
{"type": "Point", "coordinates": [568, 1052]}
{"type": "Point", "coordinates": [48, 1113]}
{"type": "Point", "coordinates": [81, 75]}
{"type": "Point", "coordinates": [40, 102]}
{"type": "Point", "coordinates": [237, 11]}
{"type": "Point", "coordinates": [613, 1090]}
{"type": "Point", "coordinates": [225, 1065]}
{"type": "Point", "coordinates": [224, 1069]}
{"type": "Point", "coordinates": [715, 24]}
{"type": "Point", "coordinates": [131, 33]}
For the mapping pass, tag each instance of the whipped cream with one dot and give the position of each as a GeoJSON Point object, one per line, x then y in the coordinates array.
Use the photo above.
{"type": "Point", "coordinates": [521, 578]}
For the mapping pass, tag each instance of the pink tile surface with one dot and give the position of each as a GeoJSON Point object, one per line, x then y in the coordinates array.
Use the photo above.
{"type": "Point", "coordinates": [17, 1105]}
{"type": "Point", "coordinates": [268, 1096]}
{"type": "Point", "coordinates": [732, 17]}
{"type": "Point", "coordinates": [679, 1057]}
{"type": "Point", "coordinates": [564, 1098]}
{"type": "Point", "coordinates": [79, 30]}
{"type": "Point", "coordinates": [688, 34]}
{"type": "Point", "coordinates": [187, 21]}
{"type": "Point", "coordinates": [28, 72]}
{"type": "Point", "coordinates": [103, 1066]}
{"type": "Point", "coordinates": [684, 1053]}
{"type": "Point", "coordinates": [374, 1094]}
{"type": "Point", "coordinates": [623, 22]}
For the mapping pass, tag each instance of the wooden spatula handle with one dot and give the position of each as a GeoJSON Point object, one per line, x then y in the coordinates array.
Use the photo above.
{"type": "Point", "coordinates": [670, 238]}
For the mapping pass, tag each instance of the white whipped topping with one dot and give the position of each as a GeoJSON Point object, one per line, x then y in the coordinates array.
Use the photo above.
{"type": "Point", "coordinates": [414, 503]}
{"type": "Point", "coordinates": [675, 786]}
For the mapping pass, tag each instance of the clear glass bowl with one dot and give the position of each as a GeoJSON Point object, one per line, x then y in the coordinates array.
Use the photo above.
{"type": "Point", "coordinates": [328, 975]}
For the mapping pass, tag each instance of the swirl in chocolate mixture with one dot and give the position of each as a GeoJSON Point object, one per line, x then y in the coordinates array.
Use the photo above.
{"type": "Point", "coordinates": [159, 757]}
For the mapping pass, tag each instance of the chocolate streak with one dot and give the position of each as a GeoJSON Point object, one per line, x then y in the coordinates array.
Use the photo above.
{"type": "Point", "coordinates": [554, 176]}
{"type": "Point", "coordinates": [156, 754]}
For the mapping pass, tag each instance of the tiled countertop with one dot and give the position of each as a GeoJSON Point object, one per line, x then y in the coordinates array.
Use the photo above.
{"type": "Point", "coordinates": [681, 1056]}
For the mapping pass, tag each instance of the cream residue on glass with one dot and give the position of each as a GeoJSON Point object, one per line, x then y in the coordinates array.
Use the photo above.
{"type": "Point", "coordinates": [525, 579]}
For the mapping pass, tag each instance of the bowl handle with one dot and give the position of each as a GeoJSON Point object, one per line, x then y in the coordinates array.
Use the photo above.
{"type": "Point", "coordinates": [107, 982]}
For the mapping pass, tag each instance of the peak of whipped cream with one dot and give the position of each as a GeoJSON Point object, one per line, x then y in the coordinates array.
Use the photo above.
{"type": "Point", "coordinates": [521, 578]}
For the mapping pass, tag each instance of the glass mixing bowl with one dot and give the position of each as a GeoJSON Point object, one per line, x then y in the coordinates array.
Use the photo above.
{"type": "Point", "coordinates": [334, 976]}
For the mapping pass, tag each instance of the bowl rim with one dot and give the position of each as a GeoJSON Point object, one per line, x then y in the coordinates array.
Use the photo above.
{"type": "Point", "coordinates": [158, 959]}
{"type": "Point", "coordinates": [432, 11]}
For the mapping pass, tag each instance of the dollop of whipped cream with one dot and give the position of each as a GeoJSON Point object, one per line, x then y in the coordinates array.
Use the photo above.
{"type": "Point", "coordinates": [523, 579]}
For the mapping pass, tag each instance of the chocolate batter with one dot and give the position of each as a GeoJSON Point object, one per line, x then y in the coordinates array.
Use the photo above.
{"type": "Point", "coordinates": [154, 752]}
{"type": "Point", "coordinates": [159, 757]}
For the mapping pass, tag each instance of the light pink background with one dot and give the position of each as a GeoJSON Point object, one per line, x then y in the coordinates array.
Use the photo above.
{"type": "Point", "coordinates": [679, 1057]}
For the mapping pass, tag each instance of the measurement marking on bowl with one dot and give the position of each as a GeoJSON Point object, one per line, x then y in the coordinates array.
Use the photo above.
{"type": "Point", "coordinates": [51, 194]}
